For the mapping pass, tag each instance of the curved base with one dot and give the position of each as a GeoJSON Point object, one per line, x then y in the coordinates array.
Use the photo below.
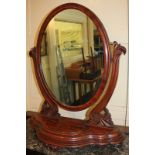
{"type": "Point", "coordinates": [65, 132]}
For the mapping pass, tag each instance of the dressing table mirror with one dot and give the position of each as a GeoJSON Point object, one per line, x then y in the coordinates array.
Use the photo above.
{"type": "Point", "coordinates": [76, 68]}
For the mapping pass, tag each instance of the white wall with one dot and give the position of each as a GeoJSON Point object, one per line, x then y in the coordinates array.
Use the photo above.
{"type": "Point", "coordinates": [114, 15]}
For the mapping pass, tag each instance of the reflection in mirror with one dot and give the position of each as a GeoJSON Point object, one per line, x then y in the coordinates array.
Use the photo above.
{"type": "Point", "coordinates": [72, 57]}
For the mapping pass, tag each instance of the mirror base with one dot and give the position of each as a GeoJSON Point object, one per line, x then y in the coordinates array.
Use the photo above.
{"type": "Point", "coordinates": [61, 132]}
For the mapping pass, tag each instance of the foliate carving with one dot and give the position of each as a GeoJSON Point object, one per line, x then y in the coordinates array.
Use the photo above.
{"type": "Point", "coordinates": [32, 52]}
{"type": "Point", "coordinates": [102, 119]}
{"type": "Point", "coordinates": [118, 50]}
{"type": "Point", "coordinates": [50, 111]}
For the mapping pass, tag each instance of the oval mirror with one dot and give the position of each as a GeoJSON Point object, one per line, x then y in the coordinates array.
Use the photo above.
{"type": "Point", "coordinates": [74, 57]}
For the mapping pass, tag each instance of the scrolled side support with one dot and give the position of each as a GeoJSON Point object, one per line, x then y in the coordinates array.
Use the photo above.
{"type": "Point", "coordinates": [96, 115]}
{"type": "Point", "coordinates": [49, 110]}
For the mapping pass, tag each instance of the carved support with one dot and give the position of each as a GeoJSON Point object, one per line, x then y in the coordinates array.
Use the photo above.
{"type": "Point", "coordinates": [102, 119]}
{"type": "Point", "coordinates": [96, 112]}
{"type": "Point", "coordinates": [33, 54]}
{"type": "Point", "coordinates": [50, 111]}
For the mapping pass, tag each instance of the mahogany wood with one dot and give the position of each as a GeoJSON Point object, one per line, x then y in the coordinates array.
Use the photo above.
{"type": "Point", "coordinates": [96, 112]}
{"type": "Point", "coordinates": [61, 132]}
{"type": "Point", "coordinates": [57, 131]}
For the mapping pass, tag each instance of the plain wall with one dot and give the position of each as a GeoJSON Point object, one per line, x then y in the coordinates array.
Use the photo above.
{"type": "Point", "coordinates": [114, 16]}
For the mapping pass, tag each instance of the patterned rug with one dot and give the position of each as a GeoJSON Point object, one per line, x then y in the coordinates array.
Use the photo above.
{"type": "Point", "coordinates": [35, 147]}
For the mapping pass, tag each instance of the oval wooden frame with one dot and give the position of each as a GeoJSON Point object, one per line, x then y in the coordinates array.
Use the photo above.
{"type": "Point", "coordinates": [48, 95]}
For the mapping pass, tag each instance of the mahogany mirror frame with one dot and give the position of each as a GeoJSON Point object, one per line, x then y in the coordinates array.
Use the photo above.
{"type": "Point", "coordinates": [98, 129]}
{"type": "Point", "coordinates": [48, 95]}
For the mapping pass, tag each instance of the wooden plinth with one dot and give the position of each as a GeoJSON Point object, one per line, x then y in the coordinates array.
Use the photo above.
{"type": "Point", "coordinates": [62, 132]}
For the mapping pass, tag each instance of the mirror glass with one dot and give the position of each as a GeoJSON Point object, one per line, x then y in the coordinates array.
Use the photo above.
{"type": "Point", "coordinates": [72, 57]}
